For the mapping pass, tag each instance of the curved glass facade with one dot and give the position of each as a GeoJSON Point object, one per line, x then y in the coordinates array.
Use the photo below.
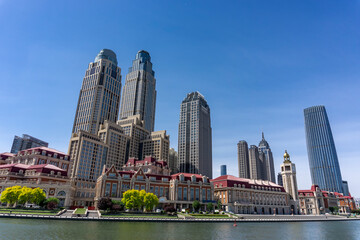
{"type": "Point", "coordinates": [323, 160]}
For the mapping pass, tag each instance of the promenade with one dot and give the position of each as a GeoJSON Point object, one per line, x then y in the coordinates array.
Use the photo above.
{"type": "Point", "coordinates": [94, 216]}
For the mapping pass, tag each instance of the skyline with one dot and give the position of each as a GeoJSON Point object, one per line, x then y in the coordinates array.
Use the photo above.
{"type": "Point", "coordinates": [274, 69]}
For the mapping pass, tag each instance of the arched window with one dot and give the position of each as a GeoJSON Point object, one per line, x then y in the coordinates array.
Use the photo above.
{"type": "Point", "coordinates": [61, 194]}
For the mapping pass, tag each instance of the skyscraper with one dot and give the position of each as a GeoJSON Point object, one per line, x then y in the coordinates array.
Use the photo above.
{"type": "Point", "coordinates": [268, 163]}
{"type": "Point", "coordinates": [26, 142]}
{"type": "Point", "coordinates": [243, 159]}
{"type": "Point", "coordinates": [139, 94]}
{"type": "Point", "coordinates": [323, 160]}
{"type": "Point", "coordinates": [99, 96]}
{"type": "Point", "coordinates": [223, 170]}
{"type": "Point", "coordinates": [195, 144]}
{"type": "Point", "coordinates": [255, 165]}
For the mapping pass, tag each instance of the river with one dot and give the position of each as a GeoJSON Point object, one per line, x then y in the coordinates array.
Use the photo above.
{"type": "Point", "coordinates": [59, 229]}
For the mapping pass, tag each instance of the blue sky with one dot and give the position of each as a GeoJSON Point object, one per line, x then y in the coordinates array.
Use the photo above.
{"type": "Point", "coordinates": [258, 64]}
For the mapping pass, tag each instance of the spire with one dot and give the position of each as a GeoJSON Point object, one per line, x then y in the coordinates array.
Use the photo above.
{"type": "Point", "coordinates": [263, 138]}
{"type": "Point", "coordinates": [286, 157]}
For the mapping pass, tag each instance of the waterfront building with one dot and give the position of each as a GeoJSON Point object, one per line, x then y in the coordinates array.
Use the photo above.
{"type": "Point", "coordinates": [288, 172]}
{"type": "Point", "coordinates": [357, 203]}
{"type": "Point", "coordinates": [243, 159]}
{"type": "Point", "coordinates": [4, 156]}
{"type": "Point", "coordinates": [345, 188]}
{"type": "Point", "coordinates": [139, 93]}
{"type": "Point", "coordinates": [316, 201]}
{"type": "Point", "coordinates": [173, 159]}
{"type": "Point", "coordinates": [151, 175]}
{"type": "Point", "coordinates": [41, 167]}
{"type": "Point", "coordinates": [195, 144]}
{"type": "Point", "coordinates": [250, 196]}
{"type": "Point", "coordinates": [323, 160]}
{"type": "Point", "coordinates": [26, 142]}
{"type": "Point", "coordinates": [268, 165]}
{"type": "Point", "coordinates": [99, 96]}
{"type": "Point", "coordinates": [279, 179]}
{"type": "Point", "coordinates": [256, 168]}
{"type": "Point", "coordinates": [223, 170]}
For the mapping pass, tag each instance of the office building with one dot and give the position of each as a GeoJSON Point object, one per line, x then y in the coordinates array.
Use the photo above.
{"type": "Point", "coordinates": [346, 188]}
{"type": "Point", "coordinates": [256, 168]}
{"type": "Point", "coordinates": [173, 159]}
{"type": "Point", "coordinates": [223, 170]}
{"type": "Point", "coordinates": [279, 179]}
{"type": "Point", "coordinates": [324, 165]}
{"type": "Point", "coordinates": [139, 94]}
{"type": "Point", "coordinates": [268, 165]}
{"type": "Point", "coordinates": [26, 142]}
{"type": "Point", "coordinates": [243, 159]}
{"type": "Point", "coordinates": [194, 143]}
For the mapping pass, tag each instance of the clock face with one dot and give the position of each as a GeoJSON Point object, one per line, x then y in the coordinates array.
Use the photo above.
{"type": "Point", "coordinates": [171, 185]}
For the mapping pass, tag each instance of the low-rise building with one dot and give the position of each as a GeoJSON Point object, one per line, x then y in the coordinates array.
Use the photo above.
{"type": "Point", "coordinates": [179, 190]}
{"type": "Point", "coordinates": [315, 201]}
{"type": "Point", "coordinates": [249, 196]}
{"type": "Point", "coordinates": [4, 156]}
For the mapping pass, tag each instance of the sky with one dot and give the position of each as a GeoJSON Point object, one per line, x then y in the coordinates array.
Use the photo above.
{"type": "Point", "coordinates": [258, 64]}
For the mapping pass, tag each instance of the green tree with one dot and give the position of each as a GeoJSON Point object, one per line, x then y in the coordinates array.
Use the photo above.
{"type": "Point", "coordinates": [105, 204]}
{"type": "Point", "coordinates": [331, 209]}
{"type": "Point", "coordinates": [131, 199]}
{"type": "Point", "coordinates": [196, 205]}
{"type": "Point", "coordinates": [150, 201]}
{"type": "Point", "coordinates": [38, 196]}
{"type": "Point", "coordinates": [25, 195]}
{"type": "Point", "coordinates": [219, 205]}
{"type": "Point", "coordinates": [209, 206]}
{"type": "Point", "coordinates": [52, 203]}
{"type": "Point", "coordinates": [11, 195]}
{"type": "Point", "coordinates": [142, 195]}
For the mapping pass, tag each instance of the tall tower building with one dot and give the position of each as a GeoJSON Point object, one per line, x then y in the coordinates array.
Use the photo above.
{"type": "Point", "coordinates": [223, 171]}
{"type": "Point", "coordinates": [173, 159]}
{"type": "Point", "coordinates": [26, 142]}
{"type": "Point", "coordinates": [139, 94]}
{"type": "Point", "coordinates": [268, 166]}
{"type": "Point", "coordinates": [195, 144]}
{"type": "Point", "coordinates": [243, 159]}
{"type": "Point", "coordinates": [99, 97]}
{"type": "Point", "coordinates": [288, 173]}
{"type": "Point", "coordinates": [323, 160]}
{"type": "Point", "coordinates": [255, 163]}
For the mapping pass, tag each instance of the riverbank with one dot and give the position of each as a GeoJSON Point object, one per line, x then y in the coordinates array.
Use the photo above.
{"type": "Point", "coordinates": [246, 218]}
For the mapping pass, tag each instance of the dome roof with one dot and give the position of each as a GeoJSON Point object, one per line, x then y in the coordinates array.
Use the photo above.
{"type": "Point", "coordinates": [107, 54]}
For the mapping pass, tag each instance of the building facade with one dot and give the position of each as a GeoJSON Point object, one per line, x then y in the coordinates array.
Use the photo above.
{"type": "Point", "coordinates": [195, 143]}
{"type": "Point", "coordinates": [268, 162]}
{"type": "Point", "coordinates": [173, 159]}
{"type": "Point", "coordinates": [243, 159]}
{"type": "Point", "coordinates": [255, 164]}
{"type": "Point", "coordinates": [99, 97]}
{"type": "Point", "coordinates": [223, 170]}
{"type": "Point", "coordinates": [346, 188]}
{"type": "Point", "coordinates": [323, 160]}
{"type": "Point", "coordinates": [316, 201]}
{"type": "Point", "coordinates": [249, 196]}
{"type": "Point", "coordinates": [139, 93]}
{"type": "Point", "coordinates": [26, 142]}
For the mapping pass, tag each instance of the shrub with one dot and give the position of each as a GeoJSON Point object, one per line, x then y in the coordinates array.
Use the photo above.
{"type": "Point", "coordinates": [169, 208]}
{"type": "Point", "coordinates": [105, 204]}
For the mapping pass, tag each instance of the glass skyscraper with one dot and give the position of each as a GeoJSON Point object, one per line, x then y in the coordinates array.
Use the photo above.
{"type": "Point", "coordinates": [268, 166]}
{"type": "Point", "coordinates": [323, 160]}
{"type": "Point", "coordinates": [139, 94]}
{"type": "Point", "coordinates": [194, 143]}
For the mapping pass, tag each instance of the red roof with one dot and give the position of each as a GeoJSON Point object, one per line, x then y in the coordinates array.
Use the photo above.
{"type": "Point", "coordinates": [230, 181]}
{"type": "Point", "coordinates": [51, 150]}
{"type": "Point", "coordinates": [43, 168]}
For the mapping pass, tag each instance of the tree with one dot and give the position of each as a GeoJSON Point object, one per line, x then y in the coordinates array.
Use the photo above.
{"type": "Point", "coordinates": [331, 209]}
{"type": "Point", "coordinates": [38, 196]}
{"type": "Point", "coordinates": [219, 205]}
{"type": "Point", "coordinates": [11, 195]}
{"type": "Point", "coordinates": [209, 206]}
{"type": "Point", "coordinates": [150, 201]}
{"type": "Point", "coordinates": [25, 195]}
{"type": "Point", "coordinates": [131, 199]}
{"type": "Point", "coordinates": [52, 203]}
{"type": "Point", "coordinates": [169, 209]}
{"type": "Point", "coordinates": [196, 205]}
{"type": "Point", "coordinates": [117, 205]}
{"type": "Point", "coordinates": [105, 204]}
{"type": "Point", "coordinates": [142, 195]}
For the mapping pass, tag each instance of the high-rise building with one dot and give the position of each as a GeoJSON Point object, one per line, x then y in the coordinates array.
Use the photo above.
{"type": "Point", "coordinates": [223, 170]}
{"type": "Point", "coordinates": [279, 179]}
{"type": "Point", "coordinates": [173, 159]}
{"type": "Point", "coordinates": [195, 144]}
{"type": "Point", "coordinates": [346, 188]}
{"type": "Point", "coordinates": [255, 163]}
{"type": "Point", "coordinates": [26, 142]}
{"type": "Point", "coordinates": [156, 145]}
{"type": "Point", "coordinates": [243, 159]}
{"type": "Point", "coordinates": [268, 166]}
{"type": "Point", "coordinates": [139, 94]}
{"type": "Point", "coordinates": [323, 160]}
{"type": "Point", "coordinates": [99, 97]}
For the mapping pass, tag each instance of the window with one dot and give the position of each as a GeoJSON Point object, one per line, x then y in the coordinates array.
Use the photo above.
{"type": "Point", "coordinates": [113, 189]}
{"type": "Point", "coordinates": [185, 193]}
{"type": "Point", "coordinates": [161, 191]}
{"type": "Point", "coordinates": [192, 194]}
{"type": "Point", "coordinates": [156, 191]}
{"type": "Point", "coordinates": [179, 193]}
{"type": "Point", "coordinates": [197, 194]}
{"type": "Point", "coordinates": [107, 190]}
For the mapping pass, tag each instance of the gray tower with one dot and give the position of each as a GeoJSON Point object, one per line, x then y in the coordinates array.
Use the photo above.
{"type": "Point", "coordinates": [323, 160]}
{"type": "Point", "coordinates": [223, 171]}
{"type": "Point", "coordinates": [99, 97]}
{"type": "Point", "coordinates": [195, 144]}
{"type": "Point", "coordinates": [139, 94]}
{"type": "Point", "coordinates": [268, 165]}
{"type": "Point", "coordinates": [243, 159]}
{"type": "Point", "coordinates": [255, 163]}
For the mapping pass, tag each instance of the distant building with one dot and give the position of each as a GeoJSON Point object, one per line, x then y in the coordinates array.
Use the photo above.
{"type": "Point", "coordinates": [4, 156]}
{"type": "Point", "coordinates": [139, 93]}
{"type": "Point", "coordinates": [243, 159]}
{"type": "Point", "coordinates": [223, 170]}
{"type": "Point", "coordinates": [249, 196]}
{"type": "Point", "coordinates": [268, 165]}
{"type": "Point", "coordinates": [173, 159]}
{"type": "Point", "coordinates": [195, 144]}
{"type": "Point", "coordinates": [323, 159]}
{"type": "Point", "coordinates": [345, 188]}
{"type": "Point", "coordinates": [256, 169]}
{"type": "Point", "coordinates": [279, 179]}
{"type": "Point", "coordinates": [26, 142]}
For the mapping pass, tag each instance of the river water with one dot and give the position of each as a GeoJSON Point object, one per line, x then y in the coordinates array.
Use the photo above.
{"type": "Point", "coordinates": [59, 229]}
